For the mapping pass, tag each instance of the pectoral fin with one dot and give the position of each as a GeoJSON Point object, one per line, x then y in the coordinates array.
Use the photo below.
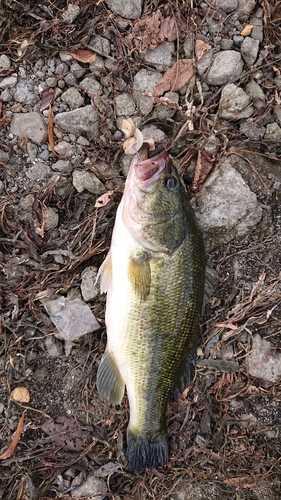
{"type": "Point", "coordinates": [105, 274]}
{"type": "Point", "coordinates": [140, 274]}
{"type": "Point", "coordinates": [110, 384]}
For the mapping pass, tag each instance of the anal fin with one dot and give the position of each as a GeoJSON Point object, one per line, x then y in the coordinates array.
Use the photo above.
{"type": "Point", "coordinates": [110, 384]}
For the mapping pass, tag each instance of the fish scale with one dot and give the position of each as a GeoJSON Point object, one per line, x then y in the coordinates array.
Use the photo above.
{"type": "Point", "coordinates": [154, 277]}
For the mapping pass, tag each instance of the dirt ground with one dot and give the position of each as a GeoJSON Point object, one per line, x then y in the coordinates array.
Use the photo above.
{"type": "Point", "coordinates": [225, 430]}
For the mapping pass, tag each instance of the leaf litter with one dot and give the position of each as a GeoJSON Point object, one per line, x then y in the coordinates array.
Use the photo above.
{"type": "Point", "coordinates": [210, 446]}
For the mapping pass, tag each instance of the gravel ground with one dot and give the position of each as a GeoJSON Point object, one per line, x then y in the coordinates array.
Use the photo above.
{"type": "Point", "coordinates": [203, 79]}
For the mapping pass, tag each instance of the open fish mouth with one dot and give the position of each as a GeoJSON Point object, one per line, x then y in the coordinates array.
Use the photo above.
{"type": "Point", "coordinates": [148, 171]}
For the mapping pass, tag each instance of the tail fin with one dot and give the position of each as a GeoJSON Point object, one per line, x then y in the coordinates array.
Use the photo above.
{"type": "Point", "coordinates": [146, 451]}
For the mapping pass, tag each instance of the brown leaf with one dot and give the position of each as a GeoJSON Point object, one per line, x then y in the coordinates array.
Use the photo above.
{"type": "Point", "coordinates": [168, 29]}
{"type": "Point", "coordinates": [83, 55]}
{"type": "Point", "coordinates": [6, 454]}
{"type": "Point", "coordinates": [241, 482]}
{"type": "Point", "coordinates": [146, 32]}
{"type": "Point", "coordinates": [175, 77]}
{"type": "Point", "coordinates": [104, 199]}
{"type": "Point", "coordinates": [47, 99]}
{"type": "Point", "coordinates": [50, 131]}
{"type": "Point", "coordinates": [167, 102]}
{"type": "Point", "coordinates": [66, 432]}
{"type": "Point", "coordinates": [200, 49]}
{"type": "Point", "coordinates": [203, 167]}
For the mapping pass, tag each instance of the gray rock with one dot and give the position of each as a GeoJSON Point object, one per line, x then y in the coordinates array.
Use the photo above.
{"type": "Point", "coordinates": [5, 62]}
{"type": "Point", "coordinates": [92, 86]}
{"type": "Point", "coordinates": [252, 130]}
{"type": "Point", "coordinates": [227, 5]}
{"type": "Point", "coordinates": [145, 82]}
{"type": "Point", "coordinates": [205, 62]}
{"type": "Point", "coordinates": [6, 95]}
{"type": "Point", "coordinates": [89, 288]}
{"type": "Point", "coordinates": [226, 44]}
{"type": "Point", "coordinates": [22, 92]}
{"type": "Point", "coordinates": [154, 132]}
{"type": "Point", "coordinates": [249, 50]}
{"type": "Point", "coordinates": [93, 488]}
{"type": "Point", "coordinates": [234, 103]}
{"type": "Point", "coordinates": [257, 21]}
{"type": "Point", "coordinates": [39, 171]}
{"type": "Point", "coordinates": [263, 362]}
{"type": "Point", "coordinates": [71, 13]}
{"type": "Point", "coordinates": [255, 92]}
{"type": "Point", "coordinates": [83, 179]}
{"type": "Point", "coordinates": [77, 70]}
{"type": "Point", "coordinates": [80, 121]}
{"type": "Point", "coordinates": [52, 218]}
{"type": "Point", "coordinates": [64, 149]}
{"type": "Point", "coordinates": [70, 79]}
{"type": "Point", "coordinates": [188, 46]}
{"type": "Point", "coordinates": [32, 124]}
{"type": "Point", "coordinates": [161, 57]}
{"type": "Point", "coordinates": [8, 82]}
{"type": "Point", "coordinates": [101, 44]}
{"type": "Point", "coordinates": [226, 66]}
{"type": "Point", "coordinates": [4, 156]}
{"type": "Point", "coordinates": [277, 114]}
{"type": "Point", "coordinates": [124, 105]}
{"type": "Point", "coordinates": [2, 187]}
{"type": "Point", "coordinates": [73, 98]}
{"type": "Point", "coordinates": [129, 10]}
{"type": "Point", "coordinates": [226, 207]}
{"type": "Point", "coordinates": [53, 346]}
{"type": "Point", "coordinates": [245, 7]}
{"type": "Point", "coordinates": [32, 151]}
{"type": "Point", "coordinates": [62, 68]}
{"type": "Point", "coordinates": [161, 111]}
{"type": "Point", "coordinates": [237, 40]}
{"type": "Point", "coordinates": [273, 131]}
{"type": "Point", "coordinates": [61, 166]}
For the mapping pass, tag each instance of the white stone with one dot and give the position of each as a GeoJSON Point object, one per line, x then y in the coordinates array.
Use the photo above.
{"type": "Point", "coordinates": [234, 103]}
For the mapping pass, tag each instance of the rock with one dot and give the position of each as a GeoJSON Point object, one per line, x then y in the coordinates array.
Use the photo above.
{"type": "Point", "coordinates": [77, 70]}
{"type": "Point", "coordinates": [32, 151]}
{"type": "Point", "coordinates": [32, 124]}
{"type": "Point", "coordinates": [145, 82]}
{"type": "Point", "coordinates": [92, 87]}
{"type": "Point", "coordinates": [277, 114]}
{"type": "Point", "coordinates": [252, 130]}
{"type": "Point", "coordinates": [52, 218]}
{"type": "Point", "coordinates": [255, 92]}
{"type": "Point", "coordinates": [38, 172]}
{"type": "Point", "coordinates": [93, 488]}
{"type": "Point", "coordinates": [101, 44]}
{"type": "Point", "coordinates": [4, 156]}
{"type": "Point", "coordinates": [162, 57]}
{"type": "Point", "coordinates": [188, 46]}
{"type": "Point", "coordinates": [263, 362]}
{"type": "Point", "coordinates": [8, 82]}
{"type": "Point", "coordinates": [80, 121]}
{"type": "Point", "coordinates": [71, 13]}
{"type": "Point", "coordinates": [64, 149]}
{"type": "Point", "coordinates": [5, 62]}
{"type": "Point", "coordinates": [62, 166]}
{"type": "Point", "coordinates": [62, 68]}
{"type": "Point", "coordinates": [154, 132]}
{"type": "Point", "coordinates": [82, 179]}
{"type": "Point", "coordinates": [257, 21]}
{"type": "Point", "coordinates": [273, 132]}
{"type": "Point", "coordinates": [245, 7]}
{"type": "Point", "coordinates": [227, 5]}
{"type": "Point", "coordinates": [6, 95]}
{"type": "Point", "coordinates": [249, 50]}
{"type": "Point", "coordinates": [226, 44]}
{"type": "Point", "coordinates": [226, 207]}
{"type": "Point", "coordinates": [205, 62]}
{"type": "Point", "coordinates": [124, 105]}
{"type": "Point", "coordinates": [73, 98]}
{"type": "Point", "coordinates": [163, 112]}
{"type": "Point", "coordinates": [234, 103]}
{"type": "Point", "coordinates": [53, 346]}
{"type": "Point", "coordinates": [89, 288]}
{"type": "Point", "coordinates": [225, 66]}
{"type": "Point", "coordinates": [22, 92]}
{"type": "Point", "coordinates": [129, 10]}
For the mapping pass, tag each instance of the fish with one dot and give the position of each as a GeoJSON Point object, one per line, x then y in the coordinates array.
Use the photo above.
{"type": "Point", "coordinates": [154, 277]}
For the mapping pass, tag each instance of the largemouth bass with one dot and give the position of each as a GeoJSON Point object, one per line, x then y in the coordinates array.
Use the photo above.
{"type": "Point", "coordinates": [154, 278]}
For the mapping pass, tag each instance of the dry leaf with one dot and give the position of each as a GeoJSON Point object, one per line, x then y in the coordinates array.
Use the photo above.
{"type": "Point", "coordinates": [167, 102]}
{"type": "Point", "coordinates": [200, 49]}
{"type": "Point", "coordinates": [20, 394]}
{"type": "Point", "coordinates": [175, 77]}
{"type": "Point", "coordinates": [241, 482]}
{"type": "Point", "coordinates": [146, 32]}
{"type": "Point", "coordinates": [85, 56]}
{"type": "Point", "coordinates": [104, 199]}
{"type": "Point", "coordinates": [66, 432]}
{"type": "Point", "coordinates": [47, 99]}
{"type": "Point", "coordinates": [203, 167]}
{"type": "Point", "coordinates": [168, 29]}
{"type": "Point", "coordinates": [247, 30]}
{"type": "Point", "coordinates": [50, 131]}
{"type": "Point", "coordinates": [6, 454]}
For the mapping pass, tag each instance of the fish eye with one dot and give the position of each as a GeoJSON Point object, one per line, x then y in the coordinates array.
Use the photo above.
{"type": "Point", "coordinates": [171, 182]}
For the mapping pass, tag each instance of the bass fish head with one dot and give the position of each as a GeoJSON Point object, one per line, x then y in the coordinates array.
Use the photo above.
{"type": "Point", "coordinates": [154, 204]}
